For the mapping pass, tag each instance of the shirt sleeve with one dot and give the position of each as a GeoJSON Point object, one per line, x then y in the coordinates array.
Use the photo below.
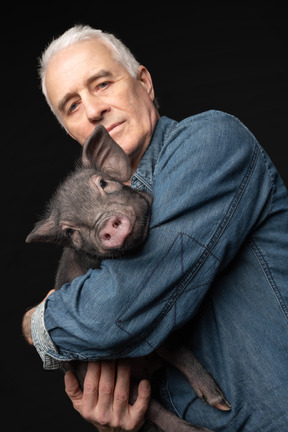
{"type": "Point", "coordinates": [211, 189]}
{"type": "Point", "coordinates": [42, 341]}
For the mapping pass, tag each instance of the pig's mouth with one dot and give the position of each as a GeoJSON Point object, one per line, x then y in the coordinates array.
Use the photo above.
{"type": "Point", "coordinates": [115, 232]}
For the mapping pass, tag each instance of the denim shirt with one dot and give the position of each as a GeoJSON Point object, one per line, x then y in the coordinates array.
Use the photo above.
{"type": "Point", "coordinates": [215, 192]}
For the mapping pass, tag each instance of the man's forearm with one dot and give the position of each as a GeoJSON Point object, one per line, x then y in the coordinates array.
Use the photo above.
{"type": "Point", "coordinates": [34, 331]}
{"type": "Point", "coordinates": [26, 325]}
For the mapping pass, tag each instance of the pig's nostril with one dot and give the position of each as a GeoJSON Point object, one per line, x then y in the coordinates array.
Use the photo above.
{"type": "Point", "coordinates": [116, 223]}
{"type": "Point", "coordinates": [106, 237]}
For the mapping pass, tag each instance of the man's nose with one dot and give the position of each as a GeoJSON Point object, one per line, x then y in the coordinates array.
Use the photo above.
{"type": "Point", "coordinates": [95, 109]}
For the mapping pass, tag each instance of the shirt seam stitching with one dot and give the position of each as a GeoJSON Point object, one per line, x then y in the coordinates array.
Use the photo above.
{"type": "Point", "coordinates": [268, 274]}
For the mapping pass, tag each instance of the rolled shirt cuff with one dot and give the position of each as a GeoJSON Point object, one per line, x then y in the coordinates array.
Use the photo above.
{"type": "Point", "coordinates": [42, 341]}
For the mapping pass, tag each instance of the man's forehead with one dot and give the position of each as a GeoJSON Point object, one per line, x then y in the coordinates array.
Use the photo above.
{"type": "Point", "coordinates": [84, 53]}
{"type": "Point", "coordinates": [77, 65]}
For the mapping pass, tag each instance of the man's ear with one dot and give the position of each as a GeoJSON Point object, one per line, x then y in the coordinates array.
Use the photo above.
{"type": "Point", "coordinates": [146, 81]}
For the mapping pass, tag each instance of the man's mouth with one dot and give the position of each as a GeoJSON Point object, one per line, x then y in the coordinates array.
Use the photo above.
{"type": "Point", "coordinates": [113, 126]}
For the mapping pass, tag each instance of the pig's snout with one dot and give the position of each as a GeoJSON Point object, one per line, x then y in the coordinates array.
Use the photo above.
{"type": "Point", "coordinates": [115, 232]}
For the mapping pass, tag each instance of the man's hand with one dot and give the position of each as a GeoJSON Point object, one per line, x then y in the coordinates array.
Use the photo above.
{"type": "Point", "coordinates": [26, 323]}
{"type": "Point", "coordinates": [104, 402]}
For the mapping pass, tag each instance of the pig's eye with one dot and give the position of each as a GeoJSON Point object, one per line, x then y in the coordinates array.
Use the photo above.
{"type": "Point", "coordinates": [69, 231]}
{"type": "Point", "coordinates": [103, 183]}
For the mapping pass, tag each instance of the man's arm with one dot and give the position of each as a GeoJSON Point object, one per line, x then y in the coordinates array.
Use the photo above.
{"type": "Point", "coordinates": [211, 186]}
{"type": "Point", "coordinates": [26, 325]}
{"type": "Point", "coordinates": [26, 322]}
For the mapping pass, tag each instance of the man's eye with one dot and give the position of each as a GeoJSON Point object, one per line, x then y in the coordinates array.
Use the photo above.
{"type": "Point", "coordinates": [102, 85]}
{"type": "Point", "coordinates": [73, 107]}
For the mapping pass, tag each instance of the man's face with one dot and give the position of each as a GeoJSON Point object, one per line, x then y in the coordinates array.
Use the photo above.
{"type": "Point", "coordinates": [88, 87]}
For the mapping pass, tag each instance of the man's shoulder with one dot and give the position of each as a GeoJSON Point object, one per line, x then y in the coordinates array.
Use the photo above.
{"type": "Point", "coordinates": [168, 128]}
{"type": "Point", "coordinates": [210, 127]}
{"type": "Point", "coordinates": [213, 118]}
{"type": "Point", "coordinates": [202, 138]}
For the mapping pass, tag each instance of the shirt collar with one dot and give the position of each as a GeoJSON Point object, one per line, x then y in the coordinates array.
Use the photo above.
{"type": "Point", "coordinates": [143, 176]}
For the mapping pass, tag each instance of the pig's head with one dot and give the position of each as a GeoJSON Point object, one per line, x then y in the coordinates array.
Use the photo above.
{"type": "Point", "coordinates": [93, 211]}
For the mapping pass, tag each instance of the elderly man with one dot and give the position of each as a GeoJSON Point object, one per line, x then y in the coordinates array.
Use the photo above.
{"type": "Point", "coordinates": [214, 265]}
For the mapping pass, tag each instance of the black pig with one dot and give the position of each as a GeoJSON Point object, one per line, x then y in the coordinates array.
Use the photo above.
{"type": "Point", "coordinates": [92, 214]}
{"type": "Point", "coordinates": [95, 216]}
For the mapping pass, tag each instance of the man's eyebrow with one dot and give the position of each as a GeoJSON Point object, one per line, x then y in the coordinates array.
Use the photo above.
{"type": "Point", "coordinates": [102, 73]}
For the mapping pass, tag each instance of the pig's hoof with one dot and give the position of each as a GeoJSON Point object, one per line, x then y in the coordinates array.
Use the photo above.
{"type": "Point", "coordinates": [222, 405]}
{"type": "Point", "coordinates": [208, 390]}
{"type": "Point", "coordinates": [215, 398]}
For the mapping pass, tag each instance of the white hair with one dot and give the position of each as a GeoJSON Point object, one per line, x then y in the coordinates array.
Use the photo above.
{"type": "Point", "coordinates": [80, 33]}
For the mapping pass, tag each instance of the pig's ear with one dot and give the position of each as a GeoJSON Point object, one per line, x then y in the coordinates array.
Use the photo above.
{"type": "Point", "coordinates": [46, 231]}
{"type": "Point", "coordinates": [103, 153]}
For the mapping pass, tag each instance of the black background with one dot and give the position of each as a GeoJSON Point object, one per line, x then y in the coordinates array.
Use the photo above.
{"type": "Point", "coordinates": [232, 58]}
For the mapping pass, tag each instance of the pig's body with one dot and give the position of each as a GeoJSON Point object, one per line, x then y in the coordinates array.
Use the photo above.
{"type": "Point", "coordinates": [95, 216]}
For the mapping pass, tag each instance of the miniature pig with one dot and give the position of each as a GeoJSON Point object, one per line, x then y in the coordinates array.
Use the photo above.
{"type": "Point", "coordinates": [94, 215]}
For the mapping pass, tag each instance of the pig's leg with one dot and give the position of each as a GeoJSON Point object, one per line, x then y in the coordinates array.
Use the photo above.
{"type": "Point", "coordinates": [72, 264]}
{"type": "Point", "coordinates": [169, 422]}
{"type": "Point", "coordinates": [68, 269]}
{"type": "Point", "coordinates": [200, 380]}
{"type": "Point", "coordinates": [162, 418]}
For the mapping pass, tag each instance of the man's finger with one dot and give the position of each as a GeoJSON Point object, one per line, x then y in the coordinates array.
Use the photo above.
{"type": "Point", "coordinates": [106, 387]}
{"type": "Point", "coordinates": [122, 388]}
{"type": "Point", "coordinates": [91, 386]}
{"type": "Point", "coordinates": [138, 410]}
{"type": "Point", "coordinates": [73, 390]}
